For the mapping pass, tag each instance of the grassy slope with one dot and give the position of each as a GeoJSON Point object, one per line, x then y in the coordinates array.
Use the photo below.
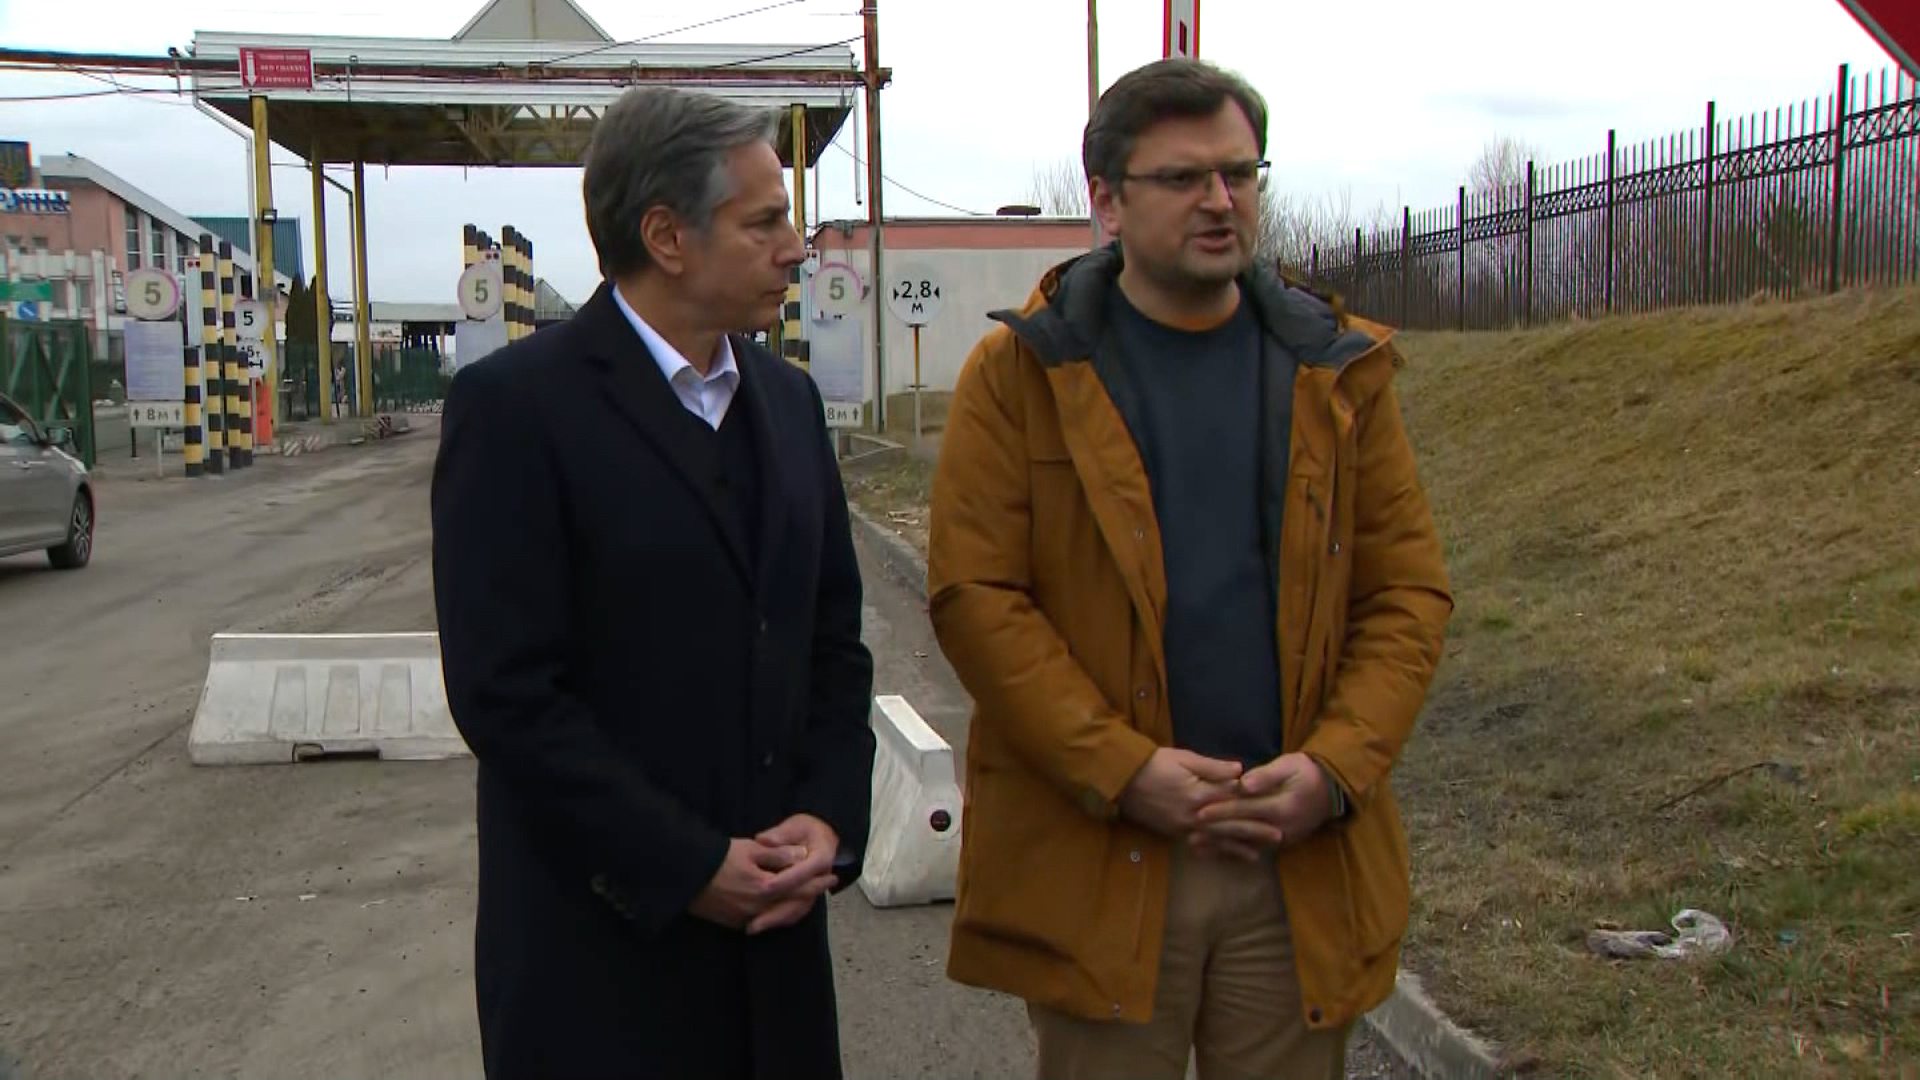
{"type": "Point", "coordinates": [1683, 545]}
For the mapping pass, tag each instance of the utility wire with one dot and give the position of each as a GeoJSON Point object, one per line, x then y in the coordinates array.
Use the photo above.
{"type": "Point", "coordinates": [910, 191]}
{"type": "Point", "coordinates": [118, 85]}
{"type": "Point", "coordinates": [675, 30]}
{"type": "Point", "coordinates": [127, 91]}
{"type": "Point", "coordinates": [108, 79]}
{"type": "Point", "coordinates": [784, 55]}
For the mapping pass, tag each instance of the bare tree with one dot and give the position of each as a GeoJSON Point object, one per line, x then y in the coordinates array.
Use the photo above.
{"type": "Point", "coordinates": [1058, 188]}
{"type": "Point", "coordinates": [1497, 197]}
{"type": "Point", "coordinates": [1502, 165]}
{"type": "Point", "coordinates": [1288, 230]}
{"type": "Point", "coordinates": [1302, 233]}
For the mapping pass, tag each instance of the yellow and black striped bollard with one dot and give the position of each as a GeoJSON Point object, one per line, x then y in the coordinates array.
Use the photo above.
{"type": "Point", "coordinates": [793, 343]}
{"type": "Point", "coordinates": [193, 442]}
{"type": "Point", "coordinates": [227, 395]}
{"type": "Point", "coordinates": [242, 385]}
{"type": "Point", "coordinates": [216, 365]}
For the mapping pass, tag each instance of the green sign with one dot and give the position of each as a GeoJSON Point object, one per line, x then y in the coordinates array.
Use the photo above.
{"type": "Point", "coordinates": [16, 164]}
{"type": "Point", "coordinates": [26, 290]}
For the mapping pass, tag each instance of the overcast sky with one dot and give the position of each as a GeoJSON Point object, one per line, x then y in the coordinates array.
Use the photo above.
{"type": "Point", "coordinates": [1388, 101]}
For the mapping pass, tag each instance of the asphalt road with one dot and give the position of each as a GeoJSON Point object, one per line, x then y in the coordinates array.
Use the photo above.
{"type": "Point", "coordinates": [162, 920]}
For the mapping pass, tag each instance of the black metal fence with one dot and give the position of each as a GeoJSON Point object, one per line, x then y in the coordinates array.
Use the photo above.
{"type": "Point", "coordinates": [46, 368]}
{"type": "Point", "coordinates": [402, 378]}
{"type": "Point", "coordinates": [1810, 198]}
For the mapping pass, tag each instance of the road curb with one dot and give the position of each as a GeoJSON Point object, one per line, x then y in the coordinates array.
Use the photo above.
{"type": "Point", "coordinates": [1408, 1021]}
{"type": "Point", "coordinates": [898, 558]}
{"type": "Point", "coordinates": [1423, 1036]}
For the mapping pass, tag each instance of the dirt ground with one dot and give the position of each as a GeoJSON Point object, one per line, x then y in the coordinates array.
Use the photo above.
{"type": "Point", "coordinates": [158, 919]}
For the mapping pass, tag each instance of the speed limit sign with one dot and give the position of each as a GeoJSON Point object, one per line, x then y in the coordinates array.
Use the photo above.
{"type": "Point", "coordinates": [250, 320]}
{"type": "Point", "coordinates": [152, 293]}
{"type": "Point", "coordinates": [836, 291]}
{"type": "Point", "coordinates": [480, 290]}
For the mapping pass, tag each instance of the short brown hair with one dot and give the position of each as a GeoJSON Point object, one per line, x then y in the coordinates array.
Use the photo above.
{"type": "Point", "coordinates": [1162, 90]}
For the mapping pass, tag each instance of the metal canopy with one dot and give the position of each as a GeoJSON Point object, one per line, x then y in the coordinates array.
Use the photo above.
{"type": "Point", "coordinates": [396, 101]}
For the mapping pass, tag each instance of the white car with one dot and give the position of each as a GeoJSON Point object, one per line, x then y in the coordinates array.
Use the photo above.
{"type": "Point", "coordinates": [46, 496]}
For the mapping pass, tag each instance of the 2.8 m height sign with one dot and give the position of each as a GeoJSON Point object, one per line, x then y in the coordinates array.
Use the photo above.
{"type": "Point", "coordinates": [914, 298]}
{"type": "Point", "coordinates": [1895, 24]}
{"type": "Point", "coordinates": [1181, 36]}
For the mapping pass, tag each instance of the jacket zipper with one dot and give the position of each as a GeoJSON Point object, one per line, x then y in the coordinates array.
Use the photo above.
{"type": "Point", "coordinates": [1324, 557]}
{"type": "Point", "coordinates": [1139, 910]}
{"type": "Point", "coordinates": [1305, 630]}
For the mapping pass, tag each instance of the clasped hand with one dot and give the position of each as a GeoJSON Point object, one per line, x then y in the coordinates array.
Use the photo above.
{"type": "Point", "coordinates": [773, 879]}
{"type": "Point", "coordinates": [1217, 806]}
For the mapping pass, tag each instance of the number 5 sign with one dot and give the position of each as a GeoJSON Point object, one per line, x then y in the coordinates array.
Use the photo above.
{"type": "Point", "coordinates": [836, 291]}
{"type": "Point", "coordinates": [152, 294]}
{"type": "Point", "coordinates": [250, 320]}
{"type": "Point", "coordinates": [480, 290]}
{"type": "Point", "coordinates": [913, 295]}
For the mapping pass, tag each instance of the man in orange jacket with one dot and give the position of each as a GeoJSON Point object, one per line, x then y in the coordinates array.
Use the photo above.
{"type": "Point", "coordinates": [1180, 558]}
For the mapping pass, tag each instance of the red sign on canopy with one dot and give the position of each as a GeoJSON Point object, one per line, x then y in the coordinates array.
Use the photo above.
{"type": "Point", "coordinates": [1895, 24]}
{"type": "Point", "coordinates": [276, 69]}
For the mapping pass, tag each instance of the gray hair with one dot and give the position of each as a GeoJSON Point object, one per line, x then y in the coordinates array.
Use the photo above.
{"type": "Point", "coordinates": [659, 146]}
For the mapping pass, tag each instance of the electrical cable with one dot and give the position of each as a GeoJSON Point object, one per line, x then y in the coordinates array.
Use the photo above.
{"type": "Point", "coordinates": [669, 33]}
{"type": "Point", "coordinates": [910, 191]}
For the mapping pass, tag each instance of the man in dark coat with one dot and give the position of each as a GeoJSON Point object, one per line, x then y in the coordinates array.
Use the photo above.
{"type": "Point", "coordinates": [650, 624]}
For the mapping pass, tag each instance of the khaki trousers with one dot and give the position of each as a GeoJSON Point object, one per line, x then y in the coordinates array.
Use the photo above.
{"type": "Point", "coordinates": [1227, 999]}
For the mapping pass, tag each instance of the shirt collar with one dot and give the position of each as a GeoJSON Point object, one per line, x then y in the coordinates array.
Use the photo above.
{"type": "Point", "coordinates": [668, 358]}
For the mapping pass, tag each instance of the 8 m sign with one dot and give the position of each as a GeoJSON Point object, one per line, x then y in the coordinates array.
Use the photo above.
{"type": "Point", "coordinates": [1895, 24]}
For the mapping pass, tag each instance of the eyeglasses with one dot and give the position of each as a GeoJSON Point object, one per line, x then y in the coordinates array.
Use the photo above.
{"type": "Point", "coordinates": [1239, 176]}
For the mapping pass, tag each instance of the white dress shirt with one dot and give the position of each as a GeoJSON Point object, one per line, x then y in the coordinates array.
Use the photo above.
{"type": "Point", "coordinates": [707, 398]}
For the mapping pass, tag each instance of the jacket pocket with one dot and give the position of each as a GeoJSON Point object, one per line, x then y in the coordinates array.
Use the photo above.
{"type": "Point", "coordinates": [1376, 859]}
{"type": "Point", "coordinates": [1055, 491]}
{"type": "Point", "coordinates": [1030, 865]}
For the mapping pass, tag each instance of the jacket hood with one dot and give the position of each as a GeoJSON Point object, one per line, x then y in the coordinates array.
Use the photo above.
{"type": "Point", "coordinates": [1063, 317]}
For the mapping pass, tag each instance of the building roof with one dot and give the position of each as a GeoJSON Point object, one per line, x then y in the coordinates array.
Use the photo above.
{"type": "Point", "coordinates": [983, 220]}
{"type": "Point", "coordinates": [545, 20]}
{"type": "Point", "coordinates": [974, 221]}
{"type": "Point", "coordinates": [73, 168]}
{"type": "Point", "coordinates": [514, 87]}
{"type": "Point", "coordinates": [548, 303]}
{"type": "Point", "coordinates": [289, 238]}
{"type": "Point", "coordinates": [977, 233]}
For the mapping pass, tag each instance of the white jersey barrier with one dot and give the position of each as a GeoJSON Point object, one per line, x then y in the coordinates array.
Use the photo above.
{"type": "Point", "coordinates": [913, 848]}
{"type": "Point", "coordinates": [278, 698]}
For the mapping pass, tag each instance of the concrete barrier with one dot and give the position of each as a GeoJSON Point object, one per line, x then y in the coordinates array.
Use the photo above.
{"type": "Point", "coordinates": [279, 698]}
{"type": "Point", "coordinates": [913, 847]}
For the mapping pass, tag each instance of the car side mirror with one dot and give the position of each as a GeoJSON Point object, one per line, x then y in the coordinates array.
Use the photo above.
{"type": "Point", "coordinates": [61, 437]}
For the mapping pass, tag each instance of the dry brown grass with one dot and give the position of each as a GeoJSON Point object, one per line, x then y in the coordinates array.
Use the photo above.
{"type": "Point", "coordinates": [893, 489]}
{"type": "Point", "coordinates": [1683, 544]}
{"type": "Point", "coordinates": [1686, 549]}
